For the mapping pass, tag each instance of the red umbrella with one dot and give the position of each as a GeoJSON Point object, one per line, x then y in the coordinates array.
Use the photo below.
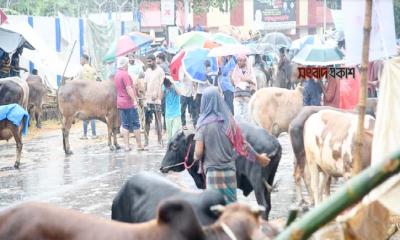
{"type": "Point", "coordinates": [176, 64]}
{"type": "Point", "coordinates": [131, 42]}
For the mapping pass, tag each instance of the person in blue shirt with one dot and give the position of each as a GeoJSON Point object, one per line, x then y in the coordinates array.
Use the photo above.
{"type": "Point", "coordinates": [172, 91]}
{"type": "Point", "coordinates": [312, 93]}
{"type": "Point", "coordinates": [225, 81]}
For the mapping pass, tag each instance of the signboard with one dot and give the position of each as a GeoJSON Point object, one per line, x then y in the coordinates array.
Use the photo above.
{"type": "Point", "coordinates": [167, 12]}
{"type": "Point", "coordinates": [274, 14]}
{"type": "Point", "coordinates": [383, 38]}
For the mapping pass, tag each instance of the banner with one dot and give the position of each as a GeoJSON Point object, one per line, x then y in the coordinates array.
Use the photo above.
{"type": "Point", "coordinates": [274, 14]}
{"type": "Point", "coordinates": [383, 38]}
{"type": "Point", "coordinates": [167, 12]}
{"type": "Point", "coordinates": [3, 17]}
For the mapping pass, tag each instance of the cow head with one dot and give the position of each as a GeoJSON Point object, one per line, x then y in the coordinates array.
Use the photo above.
{"type": "Point", "coordinates": [176, 152]}
{"type": "Point", "coordinates": [171, 212]}
{"type": "Point", "coordinates": [243, 220]}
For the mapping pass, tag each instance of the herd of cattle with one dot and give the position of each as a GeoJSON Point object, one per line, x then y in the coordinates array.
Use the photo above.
{"type": "Point", "coordinates": [322, 138]}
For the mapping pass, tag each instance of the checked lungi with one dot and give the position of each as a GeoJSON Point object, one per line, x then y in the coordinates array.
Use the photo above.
{"type": "Point", "coordinates": [224, 181]}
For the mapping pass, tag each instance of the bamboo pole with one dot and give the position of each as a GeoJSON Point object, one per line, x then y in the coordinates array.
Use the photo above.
{"type": "Point", "coordinates": [354, 190]}
{"type": "Point", "coordinates": [363, 90]}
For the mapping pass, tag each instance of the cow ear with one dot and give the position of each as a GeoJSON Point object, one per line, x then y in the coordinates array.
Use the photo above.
{"type": "Point", "coordinates": [169, 210]}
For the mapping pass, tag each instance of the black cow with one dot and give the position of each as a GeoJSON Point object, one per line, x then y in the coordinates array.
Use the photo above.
{"type": "Point", "coordinates": [139, 197]}
{"type": "Point", "coordinates": [249, 175]}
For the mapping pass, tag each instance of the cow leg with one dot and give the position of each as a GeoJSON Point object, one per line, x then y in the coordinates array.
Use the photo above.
{"type": "Point", "coordinates": [314, 177]}
{"type": "Point", "coordinates": [67, 123]}
{"type": "Point", "coordinates": [17, 133]}
{"type": "Point", "coordinates": [297, 180]}
{"type": "Point", "coordinates": [307, 183]}
{"type": "Point", "coordinates": [109, 133]}
{"type": "Point", "coordinates": [328, 186]}
{"type": "Point", "coordinates": [38, 114]}
{"type": "Point", "coordinates": [263, 197]}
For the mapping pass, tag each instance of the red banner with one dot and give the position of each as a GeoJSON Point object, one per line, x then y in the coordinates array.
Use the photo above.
{"type": "Point", "coordinates": [3, 17]}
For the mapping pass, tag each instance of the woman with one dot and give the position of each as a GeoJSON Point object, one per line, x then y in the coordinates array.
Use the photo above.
{"type": "Point", "coordinates": [245, 84]}
{"type": "Point", "coordinates": [217, 137]}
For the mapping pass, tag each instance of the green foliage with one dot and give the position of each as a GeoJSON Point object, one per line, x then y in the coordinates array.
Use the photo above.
{"type": "Point", "coordinates": [397, 17]}
{"type": "Point", "coordinates": [200, 6]}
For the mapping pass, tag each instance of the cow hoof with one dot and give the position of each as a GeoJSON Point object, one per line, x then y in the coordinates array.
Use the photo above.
{"type": "Point", "coordinates": [16, 165]}
{"type": "Point", "coordinates": [117, 147]}
{"type": "Point", "coordinates": [112, 148]}
{"type": "Point", "coordinates": [68, 152]}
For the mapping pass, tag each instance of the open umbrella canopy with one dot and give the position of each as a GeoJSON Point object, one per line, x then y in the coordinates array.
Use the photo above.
{"type": "Point", "coordinates": [319, 55]}
{"type": "Point", "coordinates": [11, 40]}
{"type": "Point", "coordinates": [194, 39]}
{"type": "Point", "coordinates": [306, 40]}
{"type": "Point", "coordinates": [176, 64]}
{"type": "Point", "coordinates": [277, 39]}
{"type": "Point", "coordinates": [132, 42]}
{"type": "Point", "coordinates": [230, 49]}
{"type": "Point", "coordinates": [194, 67]}
{"type": "Point", "coordinates": [260, 48]}
{"type": "Point", "coordinates": [222, 38]}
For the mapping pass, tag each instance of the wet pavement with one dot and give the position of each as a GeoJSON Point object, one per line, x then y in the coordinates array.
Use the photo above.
{"type": "Point", "coordinates": [89, 179]}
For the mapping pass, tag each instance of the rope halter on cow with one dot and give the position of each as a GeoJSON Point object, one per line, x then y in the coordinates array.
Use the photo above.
{"type": "Point", "coordinates": [185, 161]}
{"type": "Point", "coordinates": [228, 231]}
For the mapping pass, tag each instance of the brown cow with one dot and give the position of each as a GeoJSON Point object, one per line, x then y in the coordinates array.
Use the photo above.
{"type": "Point", "coordinates": [175, 220]}
{"type": "Point", "coordinates": [13, 90]}
{"type": "Point", "coordinates": [37, 90]}
{"type": "Point", "coordinates": [89, 100]}
{"type": "Point", "coordinates": [274, 108]}
{"type": "Point", "coordinates": [329, 141]}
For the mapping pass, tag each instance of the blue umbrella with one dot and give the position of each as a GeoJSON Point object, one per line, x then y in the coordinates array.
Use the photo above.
{"type": "Point", "coordinates": [306, 40]}
{"type": "Point", "coordinates": [194, 64]}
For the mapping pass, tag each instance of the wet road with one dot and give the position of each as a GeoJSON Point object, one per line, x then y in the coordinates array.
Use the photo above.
{"type": "Point", "coordinates": [89, 179]}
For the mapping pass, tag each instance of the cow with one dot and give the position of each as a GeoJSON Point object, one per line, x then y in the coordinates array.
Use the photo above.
{"type": "Point", "coordinates": [250, 176]}
{"type": "Point", "coordinates": [329, 142]}
{"type": "Point", "coordinates": [138, 198]}
{"type": "Point", "coordinates": [37, 90]}
{"type": "Point", "coordinates": [274, 108]}
{"type": "Point", "coordinates": [13, 90]}
{"type": "Point", "coordinates": [88, 100]}
{"type": "Point", "coordinates": [175, 220]}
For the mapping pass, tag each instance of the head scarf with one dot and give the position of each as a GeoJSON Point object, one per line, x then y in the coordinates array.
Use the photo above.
{"type": "Point", "coordinates": [214, 109]}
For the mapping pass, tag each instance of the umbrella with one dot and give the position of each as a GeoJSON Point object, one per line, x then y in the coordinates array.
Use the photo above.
{"type": "Point", "coordinates": [277, 39]}
{"type": "Point", "coordinates": [231, 49]}
{"type": "Point", "coordinates": [10, 41]}
{"type": "Point", "coordinates": [319, 55]}
{"type": "Point", "coordinates": [307, 40]}
{"type": "Point", "coordinates": [191, 39]}
{"type": "Point", "coordinates": [260, 48]}
{"type": "Point", "coordinates": [176, 64]}
{"type": "Point", "coordinates": [193, 64]}
{"type": "Point", "coordinates": [131, 42]}
{"type": "Point", "coordinates": [222, 38]}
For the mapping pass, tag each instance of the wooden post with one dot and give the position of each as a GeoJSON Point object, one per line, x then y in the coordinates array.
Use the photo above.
{"type": "Point", "coordinates": [363, 88]}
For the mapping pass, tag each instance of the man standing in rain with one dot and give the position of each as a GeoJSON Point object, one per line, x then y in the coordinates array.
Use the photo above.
{"type": "Point", "coordinates": [87, 73]}
{"type": "Point", "coordinates": [154, 78]}
{"type": "Point", "coordinates": [284, 71]}
{"type": "Point", "coordinates": [136, 71]}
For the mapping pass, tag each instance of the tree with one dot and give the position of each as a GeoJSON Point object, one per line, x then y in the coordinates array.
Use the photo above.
{"type": "Point", "coordinates": [397, 17]}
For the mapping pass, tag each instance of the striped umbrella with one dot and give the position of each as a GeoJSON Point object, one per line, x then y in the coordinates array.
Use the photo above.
{"type": "Point", "coordinates": [222, 38]}
{"type": "Point", "coordinates": [194, 39]}
{"type": "Point", "coordinates": [193, 64]}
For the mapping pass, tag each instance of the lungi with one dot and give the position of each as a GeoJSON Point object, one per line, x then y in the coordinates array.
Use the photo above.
{"type": "Point", "coordinates": [224, 181]}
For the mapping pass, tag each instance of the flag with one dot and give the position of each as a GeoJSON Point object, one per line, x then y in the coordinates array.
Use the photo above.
{"type": "Point", "coordinates": [3, 17]}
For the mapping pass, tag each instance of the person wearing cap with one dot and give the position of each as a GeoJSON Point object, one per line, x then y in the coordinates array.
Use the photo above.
{"type": "Point", "coordinates": [171, 90]}
{"type": "Point", "coordinates": [245, 83]}
{"type": "Point", "coordinates": [154, 79]}
{"type": "Point", "coordinates": [87, 73]}
{"type": "Point", "coordinates": [127, 104]}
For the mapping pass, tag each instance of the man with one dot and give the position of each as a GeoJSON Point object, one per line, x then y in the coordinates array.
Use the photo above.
{"type": "Point", "coordinates": [127, 103]}
{"type": "Point", "coordinates": [15, 68]}
{"type": "Point", "coordinates": [135, 70]}
{"type": "Point", "coordinates": [87, 73]}
{"type": "Point", "coordinates": [244, 79]}
{"type": "Point", "coordinates": [312, 93]}
{"type": "Point", "coordinates": [161, 61]}
{"type": "Point", "coordinates": [5, 65]}
{"type": "Point", "coordinates": [154, 78]}
{"type": "Point", "coordinates": [284, 71]}
{"type": "Point", "coordinates": [171, 91]}
{"type": "Point", "coordinates": [186, 97]}
{"type": "Point", "coordinates": [225, 81]}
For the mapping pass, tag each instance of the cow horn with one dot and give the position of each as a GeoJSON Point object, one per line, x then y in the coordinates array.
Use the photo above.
{"type": "Point", "coordinates": [217, 208]}
{"type": "Point", "coordinates": [257, 208]}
